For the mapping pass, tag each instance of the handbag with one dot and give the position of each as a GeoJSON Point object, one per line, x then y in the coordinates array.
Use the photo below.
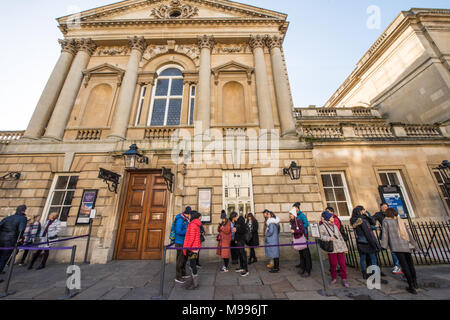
{"type": "Point", "coordinates": [301, 242]}
{"type": "Point", "coordinates": [326, 246]}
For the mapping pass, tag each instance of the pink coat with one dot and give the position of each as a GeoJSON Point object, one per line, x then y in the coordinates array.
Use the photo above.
{"type": "Point", "coordinates": [225, 234]}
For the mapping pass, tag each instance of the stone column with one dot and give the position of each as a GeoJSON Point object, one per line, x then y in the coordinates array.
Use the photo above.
{"type": "Point", "coordinates": [69, 92]}
{"type": "Point", "coordinates": [206, 44]}
{"type": "Point", "coordinates": [125, 101]}
{"type": "Point", "coordinates": [281, 87]}
{"type": "Point", "coordinates": [262, 83]}
{"type": "Point", "coordinates": [50, 95]}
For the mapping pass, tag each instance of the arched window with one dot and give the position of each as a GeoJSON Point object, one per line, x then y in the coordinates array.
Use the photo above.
{"type": "Point", "coordinates": [167, 97]}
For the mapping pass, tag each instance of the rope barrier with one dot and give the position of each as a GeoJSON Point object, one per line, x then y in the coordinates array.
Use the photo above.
{"type": "Point", "coordinates": [247, 247]}
{"type": "Point", "coordinates": [43, 243]}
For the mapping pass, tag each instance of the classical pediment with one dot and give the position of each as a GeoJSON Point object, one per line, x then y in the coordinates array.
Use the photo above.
{"type": "Point", "coordinates": [232, 67]}
{"type": "Point", "coordinates": [169, 10]}
{"type": "Point", "coordinates": [105, 69]}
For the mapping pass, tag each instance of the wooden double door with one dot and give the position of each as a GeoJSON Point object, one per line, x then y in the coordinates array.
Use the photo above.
{"type": "Point", "coordinates": [143, 221]}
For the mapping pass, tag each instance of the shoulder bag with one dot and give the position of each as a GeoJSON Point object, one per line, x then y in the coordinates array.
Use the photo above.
{"type": "Point", "coordinates": [326, 246]}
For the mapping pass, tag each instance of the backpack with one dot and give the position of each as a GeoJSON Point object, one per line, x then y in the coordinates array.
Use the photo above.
{"type": "Point", "coordinates": [172, 230]}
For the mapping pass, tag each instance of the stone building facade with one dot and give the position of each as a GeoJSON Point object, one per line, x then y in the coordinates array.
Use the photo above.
{"type": "Point", "coordinates": [201, 87]}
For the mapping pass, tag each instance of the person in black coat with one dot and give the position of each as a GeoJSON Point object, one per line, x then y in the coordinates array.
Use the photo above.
{"type": "Point", "coordinates": [366, 241]}
{"type": "Point", "coordinates": [254, 241]}
{"type": "Point", "coordinates": [11, 231]}
{"type": "Point", "coordinates": [240, 230]}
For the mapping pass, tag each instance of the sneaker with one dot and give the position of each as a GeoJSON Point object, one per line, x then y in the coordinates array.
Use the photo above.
{"type": "Point", "coordinates": [333, 281]}
{"type": "Point", "coordinates": [199, 266]}
{"type": "Point", "coordinates": [273, 270]}
{"type": "Point", "coordinates": [244, 273]}
{"type": "Point", "coordinates": [411, 290]}
{"type": "Point", "coordinates": [306, 275]}
{"type": "Point", "coordinates": [345, 284]}
{"type": "Point", "coordinates": [224, 269]}
{"type": "Point", "coordinates": [179, 280]}
{"type": "Point", "coordinates": [186, 277]}
{"type": "Point", "coordinates": [270, 265]}
{"type": "Point", "coordinates": [397, 270]}
{"type": "Point", "coordinates": [239, 270]}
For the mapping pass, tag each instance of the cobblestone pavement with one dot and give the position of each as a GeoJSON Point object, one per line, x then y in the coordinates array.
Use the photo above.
{"type": "Point", "coordinates": [140, 280]}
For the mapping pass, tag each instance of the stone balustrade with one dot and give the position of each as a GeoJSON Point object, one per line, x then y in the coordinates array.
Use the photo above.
{"type": "Point", "coordinates": [159, 133]}
{"type": "Point", "coordinates": [305, 113]}
{"type": "Point", "coordinates": [89, 134]}
{"type": "Point", "coordinates": [422, 131]}
{"type": "Point", "coordinates": [321, 132]}
{"type": "Point", "coordinates": [6, 137]}
{"type": "Point", "coordinates": [373, 131]}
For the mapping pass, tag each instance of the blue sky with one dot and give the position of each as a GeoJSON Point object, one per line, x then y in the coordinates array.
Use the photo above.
{"type": "Point", "coordinates": [325, 40]}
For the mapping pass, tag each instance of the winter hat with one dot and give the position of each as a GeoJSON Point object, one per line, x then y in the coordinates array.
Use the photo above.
{"type": "Point", "coordinates": [327, 215]}
{"type": "Point", "coordinates": [223, 215]}
{"type": "Point", "coordinates": [188, 210]}
{"type": "Point", "coordinates": [293, 212]}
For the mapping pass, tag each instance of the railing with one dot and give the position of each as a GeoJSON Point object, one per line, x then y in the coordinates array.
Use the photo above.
{"type": "Point", "coordinates": [159, 133]}
{"type": "Point", "coordinates": [355, 112]}
{"type": "Point", "coordinates": [373, 131]}
{"type": "Point", "coordinates": [422, 131]}
{"type": "Point", "coordinates": [6, 137]}
{"type": "Point", "coordinates": [89, 134]}
{"type": "Point", "coordinates": [433, 239]}
{"type": "Point", "coordinates": [326, 112]}
{"type": "Point", "coordinates": [361, 112]}
{"type": "Point", "coordinates": [322, 132]}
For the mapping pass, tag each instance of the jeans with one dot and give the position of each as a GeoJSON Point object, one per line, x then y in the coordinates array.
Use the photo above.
{"type": "Point", "coordinates": [193, 265]}
{"type": "Point", "coordinates": [226, 262]}
{"type": "Point", "coordinates": [395, 258]}
{"type": "Point", "coordinates": [334, 259]}
{"type": "Point", "coordinates": [36, 255]}
{"type": "Point", "coordinates": [252, 254]}
{"type": "Point", "coordinates": [373, 259]}
{"type": "Point", "coordinates": [407, 265]}
{"type": "Point", "coordinates": [234, 252]}
{"type": "Point", "coordinates": [24, 256]}
{"type": "Point", "coordinates": [181, 262]}
{"type": "Point", "coordinates": [242, 256]}
{"type": "Point", "coordinates": [305, 260]}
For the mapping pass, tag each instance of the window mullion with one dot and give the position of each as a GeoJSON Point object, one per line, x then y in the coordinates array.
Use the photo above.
{"type": "Point", "coordinates": [168, 102]}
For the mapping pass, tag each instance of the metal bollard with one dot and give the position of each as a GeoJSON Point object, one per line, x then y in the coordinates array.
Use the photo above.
{"type": "Point", "coordinates": [323, 292]}
{"type": "Point", "coordinates": [88, 242]}
{"type": "Point", "coordinates": [10, 271]}
{"type": "Point", "coordinates": [70, 293]}
{"type": "Point", "coordinates": [163, 272]}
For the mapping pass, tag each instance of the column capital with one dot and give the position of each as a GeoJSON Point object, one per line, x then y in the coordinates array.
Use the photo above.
{"type": "Point", "coordinates": [206, 42]}
{"type": "Point", "coordinates": [86, 45]}
{"type": "Point", "coordinates": [137, 43]}
{"type": "Point", "coordinates": [256, 41]}
{"type": "Point", "coordinates": [273, 41]}
{"type": "Point", "coordinates": [68, 45]}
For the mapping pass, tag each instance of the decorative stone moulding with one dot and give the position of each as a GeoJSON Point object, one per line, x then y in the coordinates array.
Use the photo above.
{"type": "Point", "coordinates": [206, 42]}
{"type": "Point", "coordinates": [86, 45]}
{"type": "Point", "coordinates": [257, 41]}
{"type": "Point", "coordinates": [112, 51]}
{"type": "Point", "coordinates": [191, 51]}
{"type": "Point", "coordinates": [137, 43]}
{"type": "Point", "coordinates": [232, 67]}
{"type": "Point", "coordinates": [176, 10]}
{"type": "Point", "coordinates": [68, 45]}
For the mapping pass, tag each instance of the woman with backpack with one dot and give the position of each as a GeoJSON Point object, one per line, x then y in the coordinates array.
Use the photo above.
{"type": "Point", "coordinates": [298, 233]}
{"type": "Point", "coordinates": [224, 239]}
{"type": "Point", "coordinates": [192, 240]}
{"type": "Point", "coordinates": [271, 239]}
{"type": "Point", "coordinates": [305, 258]}
{"type": "Point", "coordinates": [253, 226]}
{"type": "Point", "coordinates": [330, 232]}
{"type": "Point", "coordinates": [366, 241]}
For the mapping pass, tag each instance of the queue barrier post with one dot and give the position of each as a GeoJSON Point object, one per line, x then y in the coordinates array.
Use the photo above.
{"type": "Point", "coordinates": [163, 273]}
{"type": "Point", "coordinates": [88, 242]}
{"type": "Point", "coordinates": [324, 291]}
{"type": "Point", "coordinates": [70, 293]}
{"type": "Point", "coordinates": [10, 271]}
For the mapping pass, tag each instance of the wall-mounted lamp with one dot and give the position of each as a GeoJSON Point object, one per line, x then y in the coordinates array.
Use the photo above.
{"type": "Point", "coordinates": [11, 176]}
{"type": "Point", "coordinates": [293, 171]}
{"type": "Point", "coordinates": [168, 178]}
{"type": "Point", "coordinates": [133, 158]}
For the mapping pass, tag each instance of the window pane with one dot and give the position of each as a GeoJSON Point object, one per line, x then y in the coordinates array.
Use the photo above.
{"type": "Point", "coordinates": [159, 111]}
{"type": "Point", "coordinates": [329, 195]}
{"type": "Point", "coordinates": [64, 214]}
{"type": "Point", "coordinates": [69, 198]}
{"type": "Point", "coordinates": [191, 115]}
{"type": "Point", "coordinates": [193, 91]}
{"type": "Point", "coordinates": [393, 178]}
{"type": "Point", "coordinates": [173, 118]}
{"type": "Point", "coordinates": [337, 180]}
{"type": "Point", "coordinates": [326, 180]}
{"type": "Point", "coordinates": [62, 182]}
{"type": "Point", "coordinates": [384, 179]}
{"type": "Point", "coordinates": [438, 177]}
{"type": "Point", "coordinates": [177, 88]}
{"type": "Point", "coordinates": [73, 183]}
{"type": "Point", "coordinates": [58, 197]}
{"type": "Point", "coordinates": [340, 194]}
{"type": "Point", "coordinates": [171, 72]}
{"type": "Point", "coordinates": [343, 209]}
{"type": "Point", "coordinates": [162, 88]}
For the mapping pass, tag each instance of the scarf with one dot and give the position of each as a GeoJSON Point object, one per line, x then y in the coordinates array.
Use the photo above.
{"type": "Point", "coordinates": [402, 229]}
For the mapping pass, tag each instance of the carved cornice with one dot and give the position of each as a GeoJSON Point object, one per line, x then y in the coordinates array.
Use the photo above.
{"type": "Point", "coordinates": [176, 10]}
{"type": "Point", "coordinates": [86, 45]}
{"type": "Point", "coordinates": [257, 42]}
{"type": "Point", "coordinates": [273, 41]}
{"type": "Point", "coordinates": [191, 51]}
{"type": "Point", "coordinates": [137, 43]}
{"type": "Point", "coordinates": [68, 45]}
{"type": "Point", "coordinates": [232, 48]}
{"type": "Point", "coordinates": [206, 42]}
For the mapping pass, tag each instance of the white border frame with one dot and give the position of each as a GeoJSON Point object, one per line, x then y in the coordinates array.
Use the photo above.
{"type": "Point", "coordinates": [252, 201]}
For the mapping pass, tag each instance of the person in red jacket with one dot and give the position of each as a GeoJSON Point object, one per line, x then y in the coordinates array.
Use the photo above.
{"type": "Point", "coordinates": [192, 240]}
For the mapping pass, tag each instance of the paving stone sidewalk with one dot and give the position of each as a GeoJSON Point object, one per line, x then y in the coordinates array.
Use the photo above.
{"type": "Point", "coordinates": [140, 280]}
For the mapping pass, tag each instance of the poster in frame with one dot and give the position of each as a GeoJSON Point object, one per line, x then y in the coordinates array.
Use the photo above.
{"type": "Point", "coordinates": [87, 204]}
{"type": "Point", "coordinates": [204, 204]}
